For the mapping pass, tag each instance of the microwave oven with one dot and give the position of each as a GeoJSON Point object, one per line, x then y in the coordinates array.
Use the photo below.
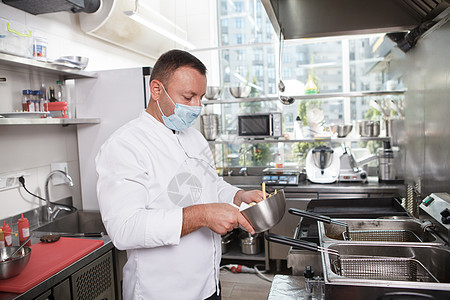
{"type": "Point", "coordinates": [260, 125]}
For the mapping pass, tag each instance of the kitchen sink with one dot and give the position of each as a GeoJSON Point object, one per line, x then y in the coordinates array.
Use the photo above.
{"type": "Point", "coordinates": [77, 222]}
{"type": "Point", "coordinates": [379, 230]}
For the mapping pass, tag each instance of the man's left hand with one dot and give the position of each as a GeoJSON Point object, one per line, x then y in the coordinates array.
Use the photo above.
{"type": "Point", "coordinates": [248, 197]}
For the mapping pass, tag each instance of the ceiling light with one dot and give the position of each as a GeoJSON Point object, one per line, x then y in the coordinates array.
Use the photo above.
{"type": "Point", "coordinates": [147, 23]}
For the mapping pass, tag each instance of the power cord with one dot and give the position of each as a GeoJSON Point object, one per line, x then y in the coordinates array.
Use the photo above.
{"type": "Point", "coordinates": [22, 181]}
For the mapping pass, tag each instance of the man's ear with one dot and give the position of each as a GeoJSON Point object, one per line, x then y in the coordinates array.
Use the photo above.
{"type": "Point", "coordinates": [155, 89]}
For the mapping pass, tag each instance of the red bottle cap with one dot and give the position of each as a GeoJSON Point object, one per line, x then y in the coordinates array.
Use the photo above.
{"type": "Point", "coordinates": [22, 219]}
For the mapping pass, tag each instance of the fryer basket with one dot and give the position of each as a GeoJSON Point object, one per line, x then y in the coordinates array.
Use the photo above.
{"type": "Point", "coordinates": [383, 268]}
{"type": "Point", "coordinates": [382, 236]}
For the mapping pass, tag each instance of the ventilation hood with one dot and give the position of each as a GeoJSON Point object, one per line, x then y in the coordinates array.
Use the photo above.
{"type": "Point", "coordinates": [38, 7]}
{"type": "Point", "coordinates": [294, 19]}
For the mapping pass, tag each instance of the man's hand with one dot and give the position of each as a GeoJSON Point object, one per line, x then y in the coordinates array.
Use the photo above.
{"type": "Point", "coordinates": [223, 217]}
{"type": "Point", "coordinates": [248, 197]}
{"type": "Point", "coordinates": [219, 217]}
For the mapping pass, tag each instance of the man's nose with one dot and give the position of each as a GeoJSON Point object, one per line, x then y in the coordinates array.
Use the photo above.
{"type": "Point", "coordinates": [198, 101]}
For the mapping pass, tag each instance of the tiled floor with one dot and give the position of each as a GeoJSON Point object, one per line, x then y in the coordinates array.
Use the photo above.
{"type": "Point", "coordinates": [243, 286]}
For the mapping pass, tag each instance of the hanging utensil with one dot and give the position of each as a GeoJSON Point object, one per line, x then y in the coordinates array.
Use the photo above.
{"type": "Point", "coordinates": [286, 100]}
{"type": "Point", "coordinates": [396, 108]}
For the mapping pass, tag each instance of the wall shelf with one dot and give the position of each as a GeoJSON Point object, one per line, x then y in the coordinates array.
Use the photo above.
{"type": "Point", "coordinates": [48, 121]}
{"type": "Point", "coordinates": [311, 140]}
{"type": "Point", "coordinates": [44, 67]}
{"type": "Point", "coordinates": [308, 97]}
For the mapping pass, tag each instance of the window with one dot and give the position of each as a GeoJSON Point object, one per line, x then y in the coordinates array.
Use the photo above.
{"type": "Point", "coordinates": [239, 39]}
{"type": "Point", "coordinates": [242, 62]}
{"type": "Point", "coordinates": [238, 6]}
{"type": "Point", "coordinates": [238, 23]}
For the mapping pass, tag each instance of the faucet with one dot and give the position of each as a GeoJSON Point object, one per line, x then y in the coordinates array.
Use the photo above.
{"type": "Point", "coordinates": [243, 171]}
{"type": "Point", "coordinates": [53, 211]}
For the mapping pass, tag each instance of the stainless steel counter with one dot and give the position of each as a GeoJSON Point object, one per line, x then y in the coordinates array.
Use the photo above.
{"type": "Point", "coordinates": [371, 187]}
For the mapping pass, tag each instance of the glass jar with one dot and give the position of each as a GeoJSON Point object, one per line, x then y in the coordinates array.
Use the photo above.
{"type": "Point", "coordinates": [27, 99]}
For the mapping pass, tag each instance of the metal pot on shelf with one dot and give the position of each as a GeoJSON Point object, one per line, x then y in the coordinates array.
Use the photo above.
{"type": "Point", "coordinates": [227, 241]}
{"type": "Point", "coordinates": [369, 128]}
{"type": "Point", "coordinates": [209, 124]}
{"type": "Point", "coordinates": [251, 244]}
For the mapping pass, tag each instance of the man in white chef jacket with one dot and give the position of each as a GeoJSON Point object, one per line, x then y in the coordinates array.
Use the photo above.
{"type": "Point", "coordinates": [159, 193]}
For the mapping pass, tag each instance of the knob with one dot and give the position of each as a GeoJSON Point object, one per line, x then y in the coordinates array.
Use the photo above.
{"type": "Point", "coordinates": [445, 216]}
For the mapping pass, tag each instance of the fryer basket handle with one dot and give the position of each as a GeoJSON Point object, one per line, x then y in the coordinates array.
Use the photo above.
{"type": "Point", "coordinates": [276, 238]}
{"type": "Point", "coordinates": [309, 214]}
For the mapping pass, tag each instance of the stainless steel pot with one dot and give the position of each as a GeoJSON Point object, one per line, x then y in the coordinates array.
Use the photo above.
{"type": "Point", "coordinates": [251, 244]}
{"type": "Point", "coordinates": [386, 168]}
{"type": "Point", "coordinates": [227, 240]}
{"type": "Point", "coordinates": [369, 128]}
{"type": "Point", "coordinates": [210, 126]}
{"type": "Point", "coordinates": [266, 214]}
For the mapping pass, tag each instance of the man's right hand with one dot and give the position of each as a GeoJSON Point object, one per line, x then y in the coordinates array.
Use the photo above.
{"type": "Point", "coordinates": [219, 217]}
{"type": "Point", "coordinates": [222, 217]}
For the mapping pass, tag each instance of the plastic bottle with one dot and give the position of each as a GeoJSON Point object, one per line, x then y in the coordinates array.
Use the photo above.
{"type": "Point", "coordinates": [44, 92]}
{"type": "Point", "coordinates": [279, 161]}
{"type": "Point", "coordinates": [7, 234]}
{"type": "Point", "coordinates": [24, 230]}
{"type": "Point", "coordinates": [60, 94]}
{"type": "Point", "coordinates": [37, 100]}
{"type": "Point", "coordinates": [2, 240]}
{"type": "Point", "coordinates": [52, 97]}
{"type": "Point", "coordinates": [298, 128]}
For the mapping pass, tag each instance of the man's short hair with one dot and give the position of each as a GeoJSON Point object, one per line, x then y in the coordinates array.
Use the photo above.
{"type": "Point", "coordinates": [170, 61]}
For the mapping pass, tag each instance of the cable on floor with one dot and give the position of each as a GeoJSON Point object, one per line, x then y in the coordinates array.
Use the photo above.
{"type": "Point", "coordinates": [235, 268]}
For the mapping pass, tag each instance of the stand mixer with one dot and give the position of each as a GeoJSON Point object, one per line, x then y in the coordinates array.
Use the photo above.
{"type": "Point", "coordinates": [322, 165]}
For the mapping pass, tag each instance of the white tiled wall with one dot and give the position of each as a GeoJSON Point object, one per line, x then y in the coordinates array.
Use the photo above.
{"type": "Point", "coordinates": [31, 149]}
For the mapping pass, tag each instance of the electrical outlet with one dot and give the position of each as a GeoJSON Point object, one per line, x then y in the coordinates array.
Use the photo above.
{"type": "Point", "coordinates": [58, 179]}
{"type": "Point", "coordinates": [11, 181]}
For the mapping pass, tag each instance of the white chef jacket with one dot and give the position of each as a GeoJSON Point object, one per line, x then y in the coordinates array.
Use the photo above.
{"type": "Point", "coordinates": [146, 175]}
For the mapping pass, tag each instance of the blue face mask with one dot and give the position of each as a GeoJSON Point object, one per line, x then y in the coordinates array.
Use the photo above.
{"type": "Point", "coordinates": [183, 117]}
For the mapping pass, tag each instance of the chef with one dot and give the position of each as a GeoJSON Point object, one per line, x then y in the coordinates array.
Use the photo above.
{"type": "Point", "coordinates": [159, 194]}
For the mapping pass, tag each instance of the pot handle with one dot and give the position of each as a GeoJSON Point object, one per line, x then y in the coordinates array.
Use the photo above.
{"type": "Point", "coordinates": [308, 214]}
{"type": "Point", "coordinates": [276, 238]}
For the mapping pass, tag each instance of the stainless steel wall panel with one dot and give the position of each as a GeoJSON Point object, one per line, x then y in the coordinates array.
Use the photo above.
{"type": "Point", "coordinates": [427, 122]}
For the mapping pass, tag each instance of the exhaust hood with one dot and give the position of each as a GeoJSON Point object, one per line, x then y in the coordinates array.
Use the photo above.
{"type": "Point", "coordinates": [295, 19]}
{"type": "Point", "coordinates": [37, 7]}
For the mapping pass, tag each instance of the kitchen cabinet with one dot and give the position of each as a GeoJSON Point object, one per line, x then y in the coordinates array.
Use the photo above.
{"type": "Point", "coordinates": [94, 281]}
